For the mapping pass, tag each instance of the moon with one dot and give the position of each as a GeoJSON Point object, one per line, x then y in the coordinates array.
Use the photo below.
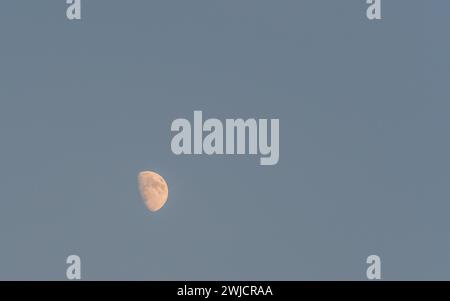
{"type": "Point", "coordinates": [153, 189]}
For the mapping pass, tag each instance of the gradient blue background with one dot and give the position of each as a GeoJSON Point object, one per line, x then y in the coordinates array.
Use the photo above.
{"type": "Point", "coordinates": [364, 150]}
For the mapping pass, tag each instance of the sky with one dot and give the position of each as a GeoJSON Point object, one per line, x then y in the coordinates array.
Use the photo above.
{"type": "Point", "coordinates": [363, 110]}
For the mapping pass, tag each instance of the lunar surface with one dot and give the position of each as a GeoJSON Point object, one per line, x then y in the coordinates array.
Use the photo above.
{"type": "Point", "coordinates": [154, 190]}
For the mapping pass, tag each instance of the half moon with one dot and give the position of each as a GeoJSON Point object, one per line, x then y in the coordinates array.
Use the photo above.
{"type": "Point", "coordinates": [153, 189]}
